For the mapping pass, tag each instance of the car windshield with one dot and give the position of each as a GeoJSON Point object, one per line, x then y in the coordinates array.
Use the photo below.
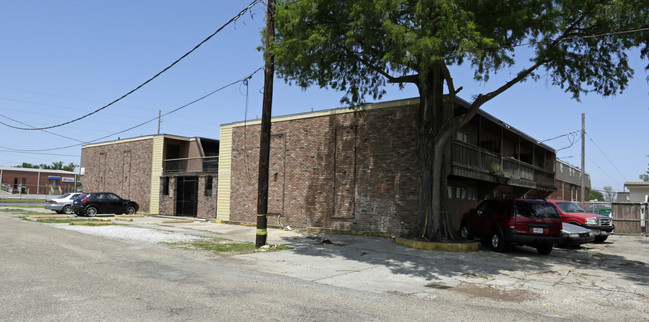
{"type": "Point", "coordinates": [535, 209]}
{"type": "Point", "coordinates": [569, 207]}
{"type": "Point", "coordinates": [63, 196]}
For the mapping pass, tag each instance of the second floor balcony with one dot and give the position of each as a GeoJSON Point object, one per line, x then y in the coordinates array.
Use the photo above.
{"type": "Point", "coordinates": [203, 164]}
{"type": "Point", "coordinates": [477, 163]}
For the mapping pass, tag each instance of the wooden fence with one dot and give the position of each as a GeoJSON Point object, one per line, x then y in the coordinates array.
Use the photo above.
{"type": "Point", "coordinates": [630, 218]}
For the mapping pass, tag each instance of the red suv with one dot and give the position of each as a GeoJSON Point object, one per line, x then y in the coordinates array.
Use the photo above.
{"type": "Point", "coordinates": [601, 226]}
{"type": "Point", "coordinates": [532, 222]}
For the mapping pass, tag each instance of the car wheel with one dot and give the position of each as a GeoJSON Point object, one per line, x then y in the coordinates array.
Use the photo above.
{"type": "Point", "coordinates": [497, 242]}
{"type": "Point", "coordinates": [130, 210]}
{"type": "Point", "coordinates": [66, 210]}
{"type": "Point", "coordinates": [600, 239]}
{"type": "Point", "coordinates": [544, 249]}
{"type": "Point", "coordinates": [91, 211]}
{"type": "Point", "coordinates": [464, 231]}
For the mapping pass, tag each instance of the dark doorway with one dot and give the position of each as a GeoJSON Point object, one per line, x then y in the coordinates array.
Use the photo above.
{"type": "Point", "coordinates": [187, 200]}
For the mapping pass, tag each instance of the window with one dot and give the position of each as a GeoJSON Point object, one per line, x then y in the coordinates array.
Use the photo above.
{"type": "Point", "coordinates": [208, 186]}
{"type": "Point", "coordinates": [165, 186]}
{"type": "Point", "coordinates": [462, 136]}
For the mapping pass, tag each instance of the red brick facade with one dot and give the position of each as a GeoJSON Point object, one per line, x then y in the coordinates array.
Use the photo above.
{"type": "Point", "coordinates": [37, 181]}
{"type": "Point", "coordinates": [337, 171]}
{"type": "Point", "coordinates": [122, 167]}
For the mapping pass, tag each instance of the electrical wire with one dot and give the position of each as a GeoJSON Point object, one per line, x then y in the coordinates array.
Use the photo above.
{"type": "Point", "coordinates": [607, 158]}
{"type": "Point", "coordinates": [245, 79]}
{"type": "Point", "coordinates": [46, 131]}
{"type": "Point", "coordinates": [233, 19]}
{"type": "Point", "coordinates": [560, 136]}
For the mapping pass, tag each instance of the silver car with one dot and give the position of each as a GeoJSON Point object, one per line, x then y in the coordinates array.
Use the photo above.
{"type": "Point", "coordinates": [62, 203]}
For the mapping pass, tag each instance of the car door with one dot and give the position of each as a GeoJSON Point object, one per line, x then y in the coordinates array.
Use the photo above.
{"type": "Point", "coordinates": [484, 217]}
{"type": "Point", "coordinates": [114, 203]}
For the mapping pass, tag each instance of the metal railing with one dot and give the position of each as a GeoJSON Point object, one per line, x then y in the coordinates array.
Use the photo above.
{"type": "Point", "coordinates": [475, 158]}
{"type": "Point", "coordinates": [201, 164]}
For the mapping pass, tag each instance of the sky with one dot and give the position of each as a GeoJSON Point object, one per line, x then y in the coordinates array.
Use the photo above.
{"type": "Point", "coordinates": [61, 60]}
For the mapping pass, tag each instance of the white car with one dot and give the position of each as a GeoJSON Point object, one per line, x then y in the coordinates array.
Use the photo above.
{"type": "Point", "coordinates": [62, 203]}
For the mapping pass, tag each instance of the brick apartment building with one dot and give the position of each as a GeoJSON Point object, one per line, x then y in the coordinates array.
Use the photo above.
{"type": "Point", "coordinates": [568, 181]}
{"type": "Point", "coordinates": [37, 181]}
{"type": "Point", "coordinates": [334, 169]}
{"type": "Point", "coordinates": [165, 174]}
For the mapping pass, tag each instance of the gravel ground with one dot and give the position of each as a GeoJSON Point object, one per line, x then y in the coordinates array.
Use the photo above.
{"type": "Point", "coordinates": [132, 235]}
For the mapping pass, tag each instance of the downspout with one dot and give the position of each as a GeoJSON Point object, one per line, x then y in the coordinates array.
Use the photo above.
{"type": "Point", "coordinates": [38, 182]}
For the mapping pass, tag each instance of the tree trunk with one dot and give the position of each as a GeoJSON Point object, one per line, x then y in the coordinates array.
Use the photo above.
{"type": "Point", "coordinates": [430, 105]}
{"type": "Point", "coordinates": [434, 221]}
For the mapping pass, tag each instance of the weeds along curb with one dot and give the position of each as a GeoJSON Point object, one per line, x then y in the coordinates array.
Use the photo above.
{"type": "Point", "coordinates": [449, 247]}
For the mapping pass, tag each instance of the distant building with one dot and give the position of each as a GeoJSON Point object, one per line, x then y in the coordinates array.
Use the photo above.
{"type": "Point", "coordinates": [165, 174]}
{"type": "Point", "coordinates": [568, 181]}
{"type": "Point", "coordinates": [638, 191]}
{"type": "Point", "coordinates": [37, 181]}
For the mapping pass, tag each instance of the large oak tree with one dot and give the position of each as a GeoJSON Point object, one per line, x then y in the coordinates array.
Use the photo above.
{"type": "Point", "coordinates": [359, 47]}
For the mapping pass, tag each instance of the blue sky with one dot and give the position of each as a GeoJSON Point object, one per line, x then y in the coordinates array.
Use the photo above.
{"type": "Point", "coordinates": [63, 59]}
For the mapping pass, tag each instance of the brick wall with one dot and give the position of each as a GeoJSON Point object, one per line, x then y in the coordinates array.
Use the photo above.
{"type": "Point", "coordinates": [337, 171]}
{"type": "Point", "coordinates": [569, 191]}
{"type": "Point", "coordinates": [123, 168]}
{"type": "Point", "coordinates": [35, 185]}
{"type": "Point", "coordinates": [206, 205]}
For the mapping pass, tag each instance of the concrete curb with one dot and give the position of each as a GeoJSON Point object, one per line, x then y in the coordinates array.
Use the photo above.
{"type": "Point", "coordinates": [178, 221]}
{"type": "Point", "coordinates": [349, 232]}
{"type": "Point", "coordinates": [49, 216]}
{"type": "Point", "coordinates": [449, 247]}
{"type": "Point", "coordinates": [89, 223]}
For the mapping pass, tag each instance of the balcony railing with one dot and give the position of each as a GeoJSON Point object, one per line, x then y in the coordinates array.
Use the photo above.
{"type": "Point", "coordinates": [499, 167]}
{"type": "Point", "coordinates": [204, 164]}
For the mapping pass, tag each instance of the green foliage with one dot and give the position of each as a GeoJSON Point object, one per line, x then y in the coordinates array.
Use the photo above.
{"type": "Point", "coordinates": [55, 166]}
{"type": "Point", "coordinates": [645, 176]}
{"type": "Point", "coordinates": [220, 246]}
{"type": "Point", "coordinates": [595, 195]}
{"type": "Point", "coordinates": [359, 46]}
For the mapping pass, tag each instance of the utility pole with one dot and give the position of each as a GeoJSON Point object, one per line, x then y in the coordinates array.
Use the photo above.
{"type": "Point", "coordinates": [583, 157]}
{"type": "Point", "coordinates": [159, 120]}
{"type": "Point", "coordinates": [264, 139]}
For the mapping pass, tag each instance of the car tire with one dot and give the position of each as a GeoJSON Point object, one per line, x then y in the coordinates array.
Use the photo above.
{"type": "Point", "coordinates": [91, 211]}
{"type": "Point", "coordinates": [600, 239]}
{"type": "Point", "coordinates": [497, 241]}
{"type": "Point", "coordinates": [544, 249]}
{"type": "Point", "coordinates": [66, 210]}
{"type": "Point", "coordinates": [129, 210]}
{"type": "Point", "coordinates": [464, 231]}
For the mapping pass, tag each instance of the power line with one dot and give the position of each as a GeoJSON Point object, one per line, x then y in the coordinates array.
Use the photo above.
{"type": "Point", "coordinates": [607, 158]}
{"type": "Point", "coordinates": [560, 136]}
{"type": "Point", "coordinates": [233, 19]}
{"type": "Point", "coordinates": [46, 131]}
{"type": "Point", "coordinates": [245, 79]}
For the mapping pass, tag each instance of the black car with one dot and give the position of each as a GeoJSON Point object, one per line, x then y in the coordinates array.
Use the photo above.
{"type": "Point", "coordinates": [91, 204]}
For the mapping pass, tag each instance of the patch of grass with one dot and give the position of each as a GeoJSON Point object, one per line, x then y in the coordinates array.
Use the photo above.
{"type": "Point", "coordinates": [27, 206]}
{"type": "Point", "coordinates": [65, 220]}
{"type": "Point", "coordinates": [21, 211]}
{"type": "Point", "coordinates": [223, 246]}
{"type": "Point", "coordinates": [21, 201]}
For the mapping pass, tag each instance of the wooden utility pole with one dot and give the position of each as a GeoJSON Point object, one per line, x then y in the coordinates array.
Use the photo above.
{"type": "Point", "coordinates": [264, 140]}
{"type": "Point", "coordinates": [159, 120]}
{"type": "Point", "coordinates": [583, 158]}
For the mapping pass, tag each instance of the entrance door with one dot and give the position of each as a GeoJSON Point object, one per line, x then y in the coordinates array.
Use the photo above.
{"type": "Point", "coordinates": [187, 192]}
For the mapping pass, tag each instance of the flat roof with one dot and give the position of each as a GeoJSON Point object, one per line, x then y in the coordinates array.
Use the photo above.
{"type": "Point", "coordinates": [388, 104]}
{"type": "Point", "coordinates": [36, 170]}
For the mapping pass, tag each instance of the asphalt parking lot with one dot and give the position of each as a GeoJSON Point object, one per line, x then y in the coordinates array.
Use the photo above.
{"type": "Point", "coordinates": [593, 282]}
